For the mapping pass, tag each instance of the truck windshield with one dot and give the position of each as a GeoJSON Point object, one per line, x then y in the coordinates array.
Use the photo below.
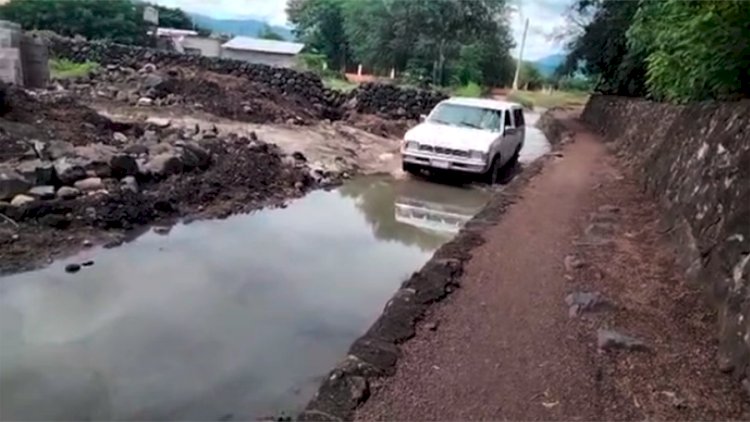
{"type": "Point", "coordinates": [466, 116]}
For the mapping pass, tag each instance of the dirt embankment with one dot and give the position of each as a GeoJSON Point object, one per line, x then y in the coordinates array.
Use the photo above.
{"type": "Point", "coordinates": [69, 174]}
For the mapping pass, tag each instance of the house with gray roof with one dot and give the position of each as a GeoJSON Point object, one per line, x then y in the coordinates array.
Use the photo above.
{"type": "Point", "coordinates": [256, 50]}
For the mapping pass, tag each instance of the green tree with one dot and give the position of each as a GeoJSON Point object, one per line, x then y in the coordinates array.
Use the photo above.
{"type": "Point", "coordinates": [267, 33]}
{"type": "Point", "coordinates": [115, 20]}
{"type": "Point", "coordinates": [695, 50]}
{"type": "Point", "coordinates": [602, 48]}
{"type": "Point", "coordinates": [530, 77]}
{"type": "Point", "coordinates": [320, 25]}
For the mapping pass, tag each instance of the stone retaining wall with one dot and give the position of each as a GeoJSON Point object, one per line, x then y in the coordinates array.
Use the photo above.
{"type": "Point", "coordinates": [696, 160]}
{"type": "Point", "coordinates": [287, 81]}
{"type": "Point", "coordinates": [392, 101]}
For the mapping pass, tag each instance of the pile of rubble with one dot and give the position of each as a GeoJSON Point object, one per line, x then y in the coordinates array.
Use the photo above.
{"type": "Point", "coordinates": [302, 87]}
{"type": "Point", "coordinates": [392, 102]}
{"type": "Point", "coordinates": [135, 176]}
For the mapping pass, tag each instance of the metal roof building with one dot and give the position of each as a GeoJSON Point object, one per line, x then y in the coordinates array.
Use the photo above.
{"type": "Point", "coordinates": [256, 50]}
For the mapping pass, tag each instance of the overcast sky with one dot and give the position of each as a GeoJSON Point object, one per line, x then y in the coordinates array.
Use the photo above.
{"type": "Point", "coordinates": [544, 16]}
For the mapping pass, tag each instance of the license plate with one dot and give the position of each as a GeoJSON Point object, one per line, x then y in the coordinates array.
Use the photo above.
{"type": "Point", "coordinates": [441, 164]}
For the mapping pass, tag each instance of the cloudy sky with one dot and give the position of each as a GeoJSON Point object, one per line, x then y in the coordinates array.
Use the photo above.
{"type": "Point", "coordinates": [544, 17]}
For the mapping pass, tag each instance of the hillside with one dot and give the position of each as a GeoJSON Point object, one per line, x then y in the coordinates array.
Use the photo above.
{"type": "Point", "coordinates": [247, 26]}
{"type": "Point", "coordinates": [548, 64]}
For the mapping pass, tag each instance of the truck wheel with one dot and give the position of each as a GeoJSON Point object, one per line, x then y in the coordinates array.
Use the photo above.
{"type": "Point", "coordinates": [491, 177]}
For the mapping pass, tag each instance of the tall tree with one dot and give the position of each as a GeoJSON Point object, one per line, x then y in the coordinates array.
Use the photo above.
{"type": "Point", "coordinates": [602, 48]}
{"type": "Point", "coordinates": [320, 25]}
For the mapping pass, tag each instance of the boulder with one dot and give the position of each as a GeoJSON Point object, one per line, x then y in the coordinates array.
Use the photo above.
{"type": "Point", "coordinates": [43, 192]}
{"type": "Point", "coordinates": [123, 165]}
{"type": "Point", "coordinates": [12, 183]}
{"type": "Point", "coordinates": [20, 200]}
{"type": "Point", "coordinates": [38, 172]}
{"type": "Point", "coordinates": [59, 149]}
{"type": "Point", "coordinates": [89, 184]}
{"type": "Point", "coordinates": [67, 192]}
{"type": "Point", "coordinates": [136, 149]}
{"type": "Point", "coordinates": [69, 171]}
{"type": "Point", "coordinates": [164, 164]}
{"type": "Point", "coordinates": [193, 155]}
{"type": "Point", "coordinates": [159, 122]}
{"type": "Point", "coordinates": [119, 137]}
{"type": "Point", "coordinates": [129, 183]}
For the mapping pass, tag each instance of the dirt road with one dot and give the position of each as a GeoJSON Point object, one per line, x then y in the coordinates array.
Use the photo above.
{"type": "Point", "coordinates": [508, 346]}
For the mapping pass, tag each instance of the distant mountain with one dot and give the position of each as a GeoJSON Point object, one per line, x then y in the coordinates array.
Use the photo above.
{"type": "Point", "coordinates": [548, 64]}
{"type": "Point", "coordinates": [249, 27]}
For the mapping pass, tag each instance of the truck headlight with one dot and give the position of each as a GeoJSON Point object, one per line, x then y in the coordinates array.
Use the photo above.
{"type": "Point", "coordinates": [411, 145]}
{"type": "Point", "coordinates": [477, 155]}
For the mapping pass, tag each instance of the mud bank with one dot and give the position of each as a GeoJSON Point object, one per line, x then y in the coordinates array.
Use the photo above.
{"type": "Point", "coordinates": [69, 176]}
{"type": "Point", "coordinates": [376, 353]}
{"type": "Point", "coordinates": [696, 160]}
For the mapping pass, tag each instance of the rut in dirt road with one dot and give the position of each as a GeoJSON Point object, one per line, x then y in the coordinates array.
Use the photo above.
{"type": "Point", "coordinates": [572, 309]}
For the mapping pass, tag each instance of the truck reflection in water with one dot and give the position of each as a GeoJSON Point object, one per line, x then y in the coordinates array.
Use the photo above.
{"type": "Point", "coordinates": [413, 211]}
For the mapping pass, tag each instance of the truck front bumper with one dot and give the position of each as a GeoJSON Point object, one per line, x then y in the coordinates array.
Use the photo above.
{"type": "Point", "coordinates": [444, 162]}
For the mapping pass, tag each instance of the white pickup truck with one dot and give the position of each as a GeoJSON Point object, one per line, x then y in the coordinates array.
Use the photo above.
{"type": "Point", "coordinates": [470, 135]}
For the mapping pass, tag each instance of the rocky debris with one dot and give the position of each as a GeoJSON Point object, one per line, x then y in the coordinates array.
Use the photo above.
{"type": "Point", "coordinates": [38, 172]}
{"type": "Point", "coordinates": [20, 200]}
{"type": "Point", "coordinates": [159, 122]}
{"type": "Point", "coordinates": [67, 192]}
{"type": "Point", "coordinates": [164, 164]}
{"type": "Point", "coordinates": [579, 302]}
{"type": "Point", "coordinates": [392, 101]}
{"type": "Point", "coordinates": [281, 92]}
{"type": "Point", "coordinates": [611, 340]}
{"type": "Point", "coordinates": [572, 262]}
{"type": "Point", "coordinates": [42, 192]}
{"type": "Point", "coordinates": [123, 165]}
{"type": "Point", "coordinates": [89, 184]}
{"type": "Point", "coordinates": [72, 268]}
{"type": "Point", "coordinates": [69, 170]}
{"type": "Point", "coordinates": [145, 102]}
{"type": "Point", "coordinates": [12, 184]}
{"type": "Point", "coordinates": [162, 230]}
{"type": "Point", "coordinates": [120, 137]}
{"type": "Point", "coordinates": [129, 183]}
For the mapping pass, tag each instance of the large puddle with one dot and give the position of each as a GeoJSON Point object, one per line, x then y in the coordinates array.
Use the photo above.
{"type": "Point", "coordinates": [221, 320]}
{"type": "Point", "coordinates": [233, 319]}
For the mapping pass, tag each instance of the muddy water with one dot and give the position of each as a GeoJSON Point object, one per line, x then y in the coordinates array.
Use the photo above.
{"type": "Point", "coordinates": [230, 320]}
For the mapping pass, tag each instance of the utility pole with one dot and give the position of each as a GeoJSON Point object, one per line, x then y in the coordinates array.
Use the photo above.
{"type": "Point", "coordinates": [520, 54]}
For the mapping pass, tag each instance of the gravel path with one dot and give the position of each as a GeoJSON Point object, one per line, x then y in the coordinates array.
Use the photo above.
{"type": "Point", "coordinates": [508, 346]}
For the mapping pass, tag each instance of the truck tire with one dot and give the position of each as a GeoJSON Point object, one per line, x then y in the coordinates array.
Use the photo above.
{"type": "Point", "coordinates": [492, 175]}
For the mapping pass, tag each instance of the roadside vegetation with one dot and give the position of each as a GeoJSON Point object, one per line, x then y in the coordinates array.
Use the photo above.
{"type": "Point", "coordinates": [65, 69]}
{"type": "Point", "coordinates": [668, 50]}
{"type": "Point", "coordinates": [549, 98]}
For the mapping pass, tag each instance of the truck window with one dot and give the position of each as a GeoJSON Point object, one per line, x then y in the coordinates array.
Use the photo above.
{"type": "Point", "coordinates": [508, 122]}
{"type": "Point", "coordinates": [518, 117]}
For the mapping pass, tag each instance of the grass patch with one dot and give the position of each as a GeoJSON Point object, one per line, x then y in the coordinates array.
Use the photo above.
{"type": "Point", "coordinates": [471, 89]}
{"type": "Point", "coordinates": [339, 84]}
{"type": "Point", "coordinates": [65, 69]}
{"type": "Point", "coordinates": [531, 99]}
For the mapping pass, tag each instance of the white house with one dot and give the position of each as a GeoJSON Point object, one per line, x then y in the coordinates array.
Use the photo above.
{"type": "Point", "coordinates": [256, 50]}
{"type": "Point", "coordinates": [188, 41]}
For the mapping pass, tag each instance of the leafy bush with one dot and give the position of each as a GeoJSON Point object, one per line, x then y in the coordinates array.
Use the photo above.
{"type": "Point", "coordinates": [695, 50]}
{"type": "Point", "coordinates": [64, 68]}
{"type": "Point", "coordinates": [472, 89]}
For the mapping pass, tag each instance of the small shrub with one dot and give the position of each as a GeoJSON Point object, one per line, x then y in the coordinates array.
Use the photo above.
{"type": "Point", "coordinates": [64, 68]}
{"type": "Point", "coordinates": [471, 89]}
